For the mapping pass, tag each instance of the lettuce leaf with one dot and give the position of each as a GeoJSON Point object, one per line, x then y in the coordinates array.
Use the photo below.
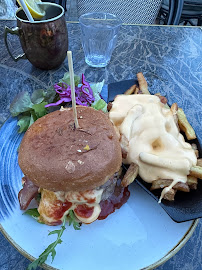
{"type": "Point", "coordinates": [66, 79]}
{"type": "Point", "coordinates": [99, 103]}
{"type": "Point", "coordinates": [23, 123]}
{"type": "Point", "coordinates": [22, 103]}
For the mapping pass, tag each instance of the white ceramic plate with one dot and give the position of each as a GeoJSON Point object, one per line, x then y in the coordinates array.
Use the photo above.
{"type": "Point", "coordinates": [139, 235]}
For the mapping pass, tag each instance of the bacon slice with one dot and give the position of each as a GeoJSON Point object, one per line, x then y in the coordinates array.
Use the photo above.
{"type": "Point", "coordinates": [27, 193]}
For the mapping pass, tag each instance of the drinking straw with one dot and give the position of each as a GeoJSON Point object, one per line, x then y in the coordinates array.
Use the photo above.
{"type": "Point", "coordinates": [71, 75]}
{"type": "Point", "coordinates": [26, 10]}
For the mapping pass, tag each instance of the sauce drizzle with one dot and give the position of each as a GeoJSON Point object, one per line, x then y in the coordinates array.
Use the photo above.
{"type": "Point", "coordinates": [115, 201]}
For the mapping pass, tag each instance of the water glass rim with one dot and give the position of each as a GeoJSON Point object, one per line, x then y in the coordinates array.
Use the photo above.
{"type": "Point", "coordinates": [91, 16]}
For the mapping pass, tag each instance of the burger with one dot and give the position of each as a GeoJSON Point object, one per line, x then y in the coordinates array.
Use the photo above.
{"type": "Point", "coordinates": [70, 168]}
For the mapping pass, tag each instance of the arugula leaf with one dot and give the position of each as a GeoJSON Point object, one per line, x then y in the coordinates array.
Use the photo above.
{"type": "Point", "coordinates": [72, 221]}
{"type": "Point", "coordinates": [22, 103]}
{"type": "Point", "coordinates": [32, 212]}
{"type": "Point", "coordinates": [50, 249]}
{"type": "Point", "coordinates": [66, 79]}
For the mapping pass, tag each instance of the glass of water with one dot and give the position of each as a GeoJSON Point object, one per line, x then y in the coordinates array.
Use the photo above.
{"type": "Point", "coordinates": [99, 36]}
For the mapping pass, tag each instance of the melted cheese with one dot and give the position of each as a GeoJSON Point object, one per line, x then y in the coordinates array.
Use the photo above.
{"type": "Point", "coordinates": [151, 138]}
{"type": "Point", "coordinates": [52, 207]}
{"type": "Point", "coordinates": [89, 196]}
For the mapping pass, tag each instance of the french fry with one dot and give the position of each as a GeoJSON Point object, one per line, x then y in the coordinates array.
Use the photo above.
{"type": "Point", "coordinates": [182, 187]}
{"type": "Point", "coordinates": [162, 98]}
{"type": "Point", "coordinates": [170, 195]}
{"type": "Point", "coordinates": [142, 83]}
{"type": "Point", "coordinates": [162, 183]}
{"type": "Point", "coordinates": [194, 147]}
{"type": "Point", "coordinates": [124, 146]}
{"type": "Point", "coordinates": [137, 89]}
{"type": "Point", "coordinates": [174, 109]}
{"type": "Point", "coordinates": [196, 153]}
{"type": "Point", "coordinates": [192, 182]}
{"type": "Point", "coordinates": [184, 125]}
{"type": "Point", "coordinates": [131, 90]}
{"type": "Point", "coordinates": [130, 175]}
{"type": "Point", "coordinates": [199, 162]}
{"type": "Point", "coordinates": [196, 171]}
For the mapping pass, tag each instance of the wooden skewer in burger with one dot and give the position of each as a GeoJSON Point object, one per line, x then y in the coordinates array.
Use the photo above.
{"type": "Point", "coordinates": [72, 157]}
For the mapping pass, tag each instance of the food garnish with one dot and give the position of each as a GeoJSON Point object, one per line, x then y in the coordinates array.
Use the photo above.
{"type": "Point", "coordinates": [72, 220]}
{"type": "Point", "coordinates": [51, 248]}
{"type": "Point", "coordinates": [29, 108]}
{"type": "Point", "coordinates": [84, 93]}
{"type": "Point", "coordinates": [33, 212]}
{"type": "Point", "coordinates": [34, 8]}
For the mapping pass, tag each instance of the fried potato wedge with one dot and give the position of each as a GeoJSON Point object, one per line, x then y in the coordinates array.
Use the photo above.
{"type": "Point", "coordinates": [184, 125]}
{"type": "Point", "coordinates": [196, 171]}
{"type": "Point", "coordinates": [142, 83]}
{"type": "Point", "coordinates": [130, 175]}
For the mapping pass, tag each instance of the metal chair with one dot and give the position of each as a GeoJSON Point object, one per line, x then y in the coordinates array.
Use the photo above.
{"type": "Point", "coordinates": [130, 11]}
{"type": "Point", "coordinates": [184, 12]}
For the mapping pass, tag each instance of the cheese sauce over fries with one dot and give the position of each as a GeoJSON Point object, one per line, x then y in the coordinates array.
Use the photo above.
{"type": "Point", "coordinates": [151, 138]}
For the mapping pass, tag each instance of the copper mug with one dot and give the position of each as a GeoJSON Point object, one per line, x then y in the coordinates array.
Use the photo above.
{"type": "Point", "coordinates": [44, 42]}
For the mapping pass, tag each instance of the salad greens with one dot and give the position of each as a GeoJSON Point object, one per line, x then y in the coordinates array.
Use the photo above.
{"type": "Point", "coordinates": [51, 248]}
{"type": "Point", "coordinates": [33, 213]}
{"type": "Point", "coordinates": [29, 108]}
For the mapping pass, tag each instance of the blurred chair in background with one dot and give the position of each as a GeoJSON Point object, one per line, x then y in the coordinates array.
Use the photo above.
{"type": "Point", "coordinates": [167, 12]}
{"type": "Point", "coordinates": [129, 11]}
{"type": "Point", "coordinates": [181, 12]}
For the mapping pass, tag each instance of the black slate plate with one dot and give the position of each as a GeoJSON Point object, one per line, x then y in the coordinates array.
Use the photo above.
{"type": "Point", "coordinates": [186, 206]}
